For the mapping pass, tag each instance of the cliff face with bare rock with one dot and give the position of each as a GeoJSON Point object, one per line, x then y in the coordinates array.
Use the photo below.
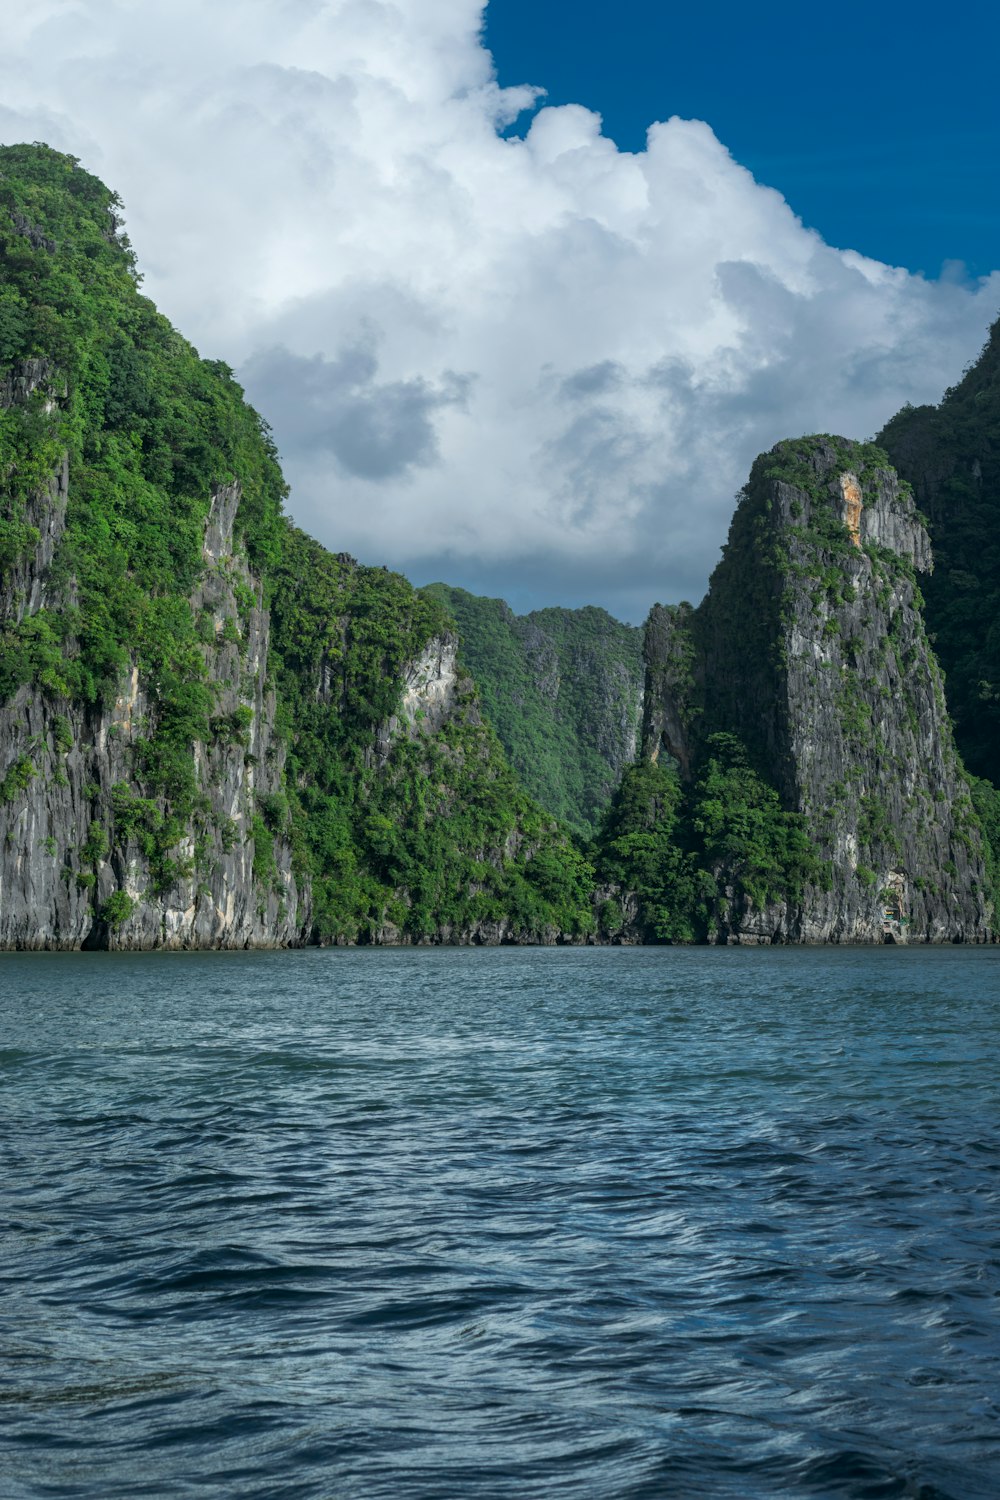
{"type": "Point", "coordinates": [215, 733]}
{"type": "Point", "coordinates": [82, 865]}
{"type": "Point", "coordinates": [810, 649]}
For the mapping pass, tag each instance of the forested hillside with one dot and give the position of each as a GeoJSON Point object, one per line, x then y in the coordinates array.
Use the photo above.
{"type": "Point", "coordinates": [563, 690]}
{"type": "Point", "coordinates": [951, 455]}
{"type": "Point", "coordinates": [403, 809]}
{"type": "Point", "coordinates": [216, 733]}
{"type": "Point", "coordinates": [212, 731]}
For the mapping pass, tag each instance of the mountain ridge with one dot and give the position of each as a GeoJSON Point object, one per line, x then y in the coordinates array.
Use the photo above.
{"type": "Point", "coordinates": [214, 732]}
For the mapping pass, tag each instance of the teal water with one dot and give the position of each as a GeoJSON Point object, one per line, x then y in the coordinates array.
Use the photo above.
{"type": "Point", "coordinates": [501, 1223]}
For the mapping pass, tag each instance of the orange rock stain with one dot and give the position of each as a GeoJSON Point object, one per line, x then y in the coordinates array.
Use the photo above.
{"type": "Point", "coordinates": [851, 492]}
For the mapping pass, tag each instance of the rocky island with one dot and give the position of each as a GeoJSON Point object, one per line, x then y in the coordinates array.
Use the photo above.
{"type": "Point", "coordinates": [810, 647]}
{"type": "Point", "coordinates": [216, 733]}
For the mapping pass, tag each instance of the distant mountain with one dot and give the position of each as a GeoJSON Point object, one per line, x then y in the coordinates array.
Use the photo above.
{"type": "Point", "coordinates": [563, 690]}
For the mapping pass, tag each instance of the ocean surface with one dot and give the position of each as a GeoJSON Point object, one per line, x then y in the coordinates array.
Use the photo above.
{"type": "Point", "coordinates": [521, 1223]}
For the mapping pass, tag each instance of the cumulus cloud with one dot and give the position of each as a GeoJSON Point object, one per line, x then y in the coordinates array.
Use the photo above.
{"type": "Point", "coordinates": [338, 410]}
{"type": "Point", "coordinates": [536, 365]}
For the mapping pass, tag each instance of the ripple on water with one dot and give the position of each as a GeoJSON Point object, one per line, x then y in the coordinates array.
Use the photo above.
{"type": "Point", "coordinates": [500, 1223]}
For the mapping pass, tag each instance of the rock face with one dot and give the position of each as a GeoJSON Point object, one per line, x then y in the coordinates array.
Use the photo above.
{"type": "Point", "coordinates": [810, 647]}
{"type": "Point", "coordinates": [76, 870]}
{"type": "Point", "coordinates": [671, 699]}
{"type": "Point", "coordinates": [431, 685]}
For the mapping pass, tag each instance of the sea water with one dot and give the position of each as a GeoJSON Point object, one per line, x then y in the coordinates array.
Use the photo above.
{"type": "Point", "coordinates": [501, 1223]}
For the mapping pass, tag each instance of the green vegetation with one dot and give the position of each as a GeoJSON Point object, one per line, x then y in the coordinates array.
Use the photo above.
{"type": "Point", "coordinates": [96, 846]}
{"type": "Point", "coordinates": [117, 908]}
{"type": "Point", "coordinates": [438, 838]}
{"type": "Point", "coordinates": [434, 834]}
{"type": "Point", "coordinates": [18, 778]}
{"type": "Point", "coordinates": [62, 734]}
{"type": "Point", "coordinates": [641, 850]}
{"type": "Point", "coordinates": [562, 688]}
{"type": "Point", "coordinates": [149, 429]}
{"type": "Point", "coordinates": [745, 834]}
{"type": "Point", "coordinates": [951, 456]}
{"type": "Point", "coordinates": [689, 853]}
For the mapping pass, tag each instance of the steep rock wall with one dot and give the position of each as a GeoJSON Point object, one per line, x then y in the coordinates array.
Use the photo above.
{"type": "Point", "coordinates": [76, 869]}
{"type": "Point", "coordinates": [671, 701]}
{"type": "Point", "coordinates": [432, 683]}
{"type": "Point", "coordinates": [810, 647]}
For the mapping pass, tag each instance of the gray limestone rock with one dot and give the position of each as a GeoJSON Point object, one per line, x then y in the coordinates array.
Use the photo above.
{"type": "Point", "coordinates": [74, 867]}
{"type": "Point", "coordinates": [670, 703]}
{"type": "Point", "coordinates": [810, 647]}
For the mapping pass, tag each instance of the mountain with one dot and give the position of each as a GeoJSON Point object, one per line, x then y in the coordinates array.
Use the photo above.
{"type": "Point", "coordinates": [216, 733]}
{"type": "Point", "coordinates": [213, 732]}
{"type": "Point", "coordinates": [801, 781]}
{"type": "Point", "coordinates": [563, 690]}
{"type": "Point", "coordinates": [950, 454]}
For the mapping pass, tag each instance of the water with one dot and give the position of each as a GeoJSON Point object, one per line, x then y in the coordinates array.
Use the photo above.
{"type": "Point", "coordinates": [561, 1223]}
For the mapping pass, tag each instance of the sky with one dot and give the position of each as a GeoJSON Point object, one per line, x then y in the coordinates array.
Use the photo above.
{"type": "Point", "coordinates": [877, 122]}
{"type": "Point", "coordinates": [521, 319]}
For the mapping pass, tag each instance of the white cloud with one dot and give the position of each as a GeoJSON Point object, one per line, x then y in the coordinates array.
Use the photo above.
{"type": "Point", "coordinates": [537, 366]}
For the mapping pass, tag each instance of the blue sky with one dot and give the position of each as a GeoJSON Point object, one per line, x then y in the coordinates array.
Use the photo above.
{"type": "Point", "coordinates": [878, 122]}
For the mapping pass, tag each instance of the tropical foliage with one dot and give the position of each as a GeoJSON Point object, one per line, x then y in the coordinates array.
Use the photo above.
{"type": "Point", "coordinates": [690, 852]}
{"type": "Point", "coordinates": [149, 430]}
{"type": "Point", "coordinates": [562, 688]}
{"type": "Point", "coordinates": [951, 455]}
{"type": "Point", "coordinates": [440, 837]}
{"type": "Point", "coordinates": [432, 837]}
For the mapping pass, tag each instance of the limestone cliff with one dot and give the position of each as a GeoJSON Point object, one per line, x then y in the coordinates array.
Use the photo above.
{"type": "Point", "coordinates": [810, 648]}
{"type": "Point", "coordinates": [92, 857]}
{"type": "Point", "coordinates": [81, 864]}
{"type": "Point", "coordinates": [213, 732]}
{"type": "Point", "coordinates": [433, 685]}
{"type": "Point", "coordinates": [672, 697]}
